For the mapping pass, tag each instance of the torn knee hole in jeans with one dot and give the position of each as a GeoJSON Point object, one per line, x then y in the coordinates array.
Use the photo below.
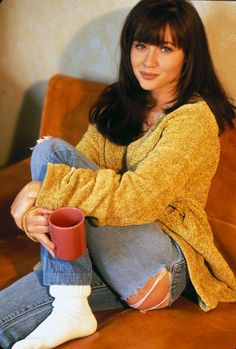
{"type": "Point", "coordinates": [40, 140]}
{"type": "Point", "coordinates": [155, 294]}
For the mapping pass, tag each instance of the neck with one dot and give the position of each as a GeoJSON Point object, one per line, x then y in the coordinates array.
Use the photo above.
{"type": "Point", "coordinates": [164, 98]}
{"type": "Point", "coordinates": [152, 116]}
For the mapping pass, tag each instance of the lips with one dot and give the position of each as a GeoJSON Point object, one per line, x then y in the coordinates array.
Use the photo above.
{"type": "Point", "coordinates": [148, 76]}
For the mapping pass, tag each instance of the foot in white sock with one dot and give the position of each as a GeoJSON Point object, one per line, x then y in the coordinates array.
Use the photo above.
{"type": "Point", "coordinates": [70, 318]}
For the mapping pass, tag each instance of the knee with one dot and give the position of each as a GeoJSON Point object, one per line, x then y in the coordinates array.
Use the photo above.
{"type": "Point", "coordinates": [155, 294]}
{"type": "Point", "coordinates": [46, 142]}
{"type": "Point", "coordinates": [41, 145]}
{"type": "Point", "coordinates": [45, 147]}
{"type": "Point", "coordinates": [45, 151]}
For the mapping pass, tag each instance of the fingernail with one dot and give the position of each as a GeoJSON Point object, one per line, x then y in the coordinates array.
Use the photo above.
{"type": "Point", "coordinates": [52, 254]}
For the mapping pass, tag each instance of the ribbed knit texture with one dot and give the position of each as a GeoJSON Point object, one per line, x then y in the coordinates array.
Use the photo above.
{"type": "Point", "coordinates": [70, 291]}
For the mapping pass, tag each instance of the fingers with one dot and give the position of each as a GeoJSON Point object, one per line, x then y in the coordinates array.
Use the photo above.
{"type": "Point", "coordinates": [38, 218]}
{"type": "Point", "coordinates": [38, 228]}
{"type": "Point", "coordinates": [46, 242]}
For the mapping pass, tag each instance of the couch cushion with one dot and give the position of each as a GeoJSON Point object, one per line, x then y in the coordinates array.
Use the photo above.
{"type": "Point", "coordinates": [183, 326]}
{"type": "Point", "coordinates": [221, 205]}
{"type": "Point", "coordinates": [66, 107]}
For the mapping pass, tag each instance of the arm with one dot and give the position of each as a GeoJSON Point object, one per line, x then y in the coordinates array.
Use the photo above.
{"type": "Point", "coordinates": [139, 196]}
{"type": "Point", "coordinates": [26, 198]}
{"type": "Point", "coordinates": [34, 221]}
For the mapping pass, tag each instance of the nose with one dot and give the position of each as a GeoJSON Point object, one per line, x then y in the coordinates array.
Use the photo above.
{"type": "Point", "coordinates": [150, 60]}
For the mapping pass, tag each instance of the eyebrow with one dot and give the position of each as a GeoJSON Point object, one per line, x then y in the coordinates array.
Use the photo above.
{"type": "Point", "coordinates": [160, 43]}
{"type": "Point", "coordinates": [167, 42]}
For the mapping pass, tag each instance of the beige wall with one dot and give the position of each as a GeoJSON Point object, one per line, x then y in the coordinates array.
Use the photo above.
{"type": "Point", "coordinates": [40, 38]}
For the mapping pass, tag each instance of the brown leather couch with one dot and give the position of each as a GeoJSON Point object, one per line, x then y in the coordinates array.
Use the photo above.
{"type": "Point", "coordinates": [184, 325]}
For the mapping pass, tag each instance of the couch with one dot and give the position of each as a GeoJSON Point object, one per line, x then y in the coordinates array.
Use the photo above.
{"type": "Point", "coordinates": [182, 326]}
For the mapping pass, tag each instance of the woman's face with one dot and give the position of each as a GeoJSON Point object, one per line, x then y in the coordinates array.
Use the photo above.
{"type": "Point", "coordinates": [157, 68]}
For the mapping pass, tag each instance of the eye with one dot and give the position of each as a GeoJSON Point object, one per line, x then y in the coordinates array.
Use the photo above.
{"type": "Point", "coordinates": [139, 45]}
{"type": "Point", "coordinates": [166, 49]}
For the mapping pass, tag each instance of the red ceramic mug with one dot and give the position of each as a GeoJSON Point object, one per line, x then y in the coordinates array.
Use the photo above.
{"type": "Point", "coordinates": [67, 230]}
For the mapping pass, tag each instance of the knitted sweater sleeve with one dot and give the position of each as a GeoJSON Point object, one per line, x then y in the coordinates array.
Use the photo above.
{"type": "Point", "coordinates": [140, 195]}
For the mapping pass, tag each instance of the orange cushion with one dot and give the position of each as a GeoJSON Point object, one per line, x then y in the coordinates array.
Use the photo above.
{"type": "Point", "coordinates": [221, 204]}
{"type": "Point", "coordinates": [66, 107]}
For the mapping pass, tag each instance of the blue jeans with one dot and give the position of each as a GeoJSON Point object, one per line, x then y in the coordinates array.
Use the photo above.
{"type": "Point", "coordinates": [123, 259]}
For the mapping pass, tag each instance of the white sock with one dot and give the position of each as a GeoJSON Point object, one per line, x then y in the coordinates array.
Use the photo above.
{"type": "Point", "coordinates": [70, 318]}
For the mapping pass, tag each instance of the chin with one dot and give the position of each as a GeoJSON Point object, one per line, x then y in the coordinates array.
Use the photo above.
{"type": "Point", "coordinates": [148, 86]}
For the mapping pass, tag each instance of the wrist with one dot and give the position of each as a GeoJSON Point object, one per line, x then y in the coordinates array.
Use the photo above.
{"type": "Point", "coordinates": [35, 187]}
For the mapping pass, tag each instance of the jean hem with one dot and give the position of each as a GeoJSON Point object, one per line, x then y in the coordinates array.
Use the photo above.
{"type": "Point", "coordinates": [68, 279]}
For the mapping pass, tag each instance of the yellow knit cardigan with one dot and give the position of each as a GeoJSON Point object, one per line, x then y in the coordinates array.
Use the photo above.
{"type": "Point", "coordinates": [165, 177]}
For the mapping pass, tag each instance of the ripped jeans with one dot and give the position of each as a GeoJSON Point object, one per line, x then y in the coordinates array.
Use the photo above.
{"type": "Point", "coordinates": [123, 259]}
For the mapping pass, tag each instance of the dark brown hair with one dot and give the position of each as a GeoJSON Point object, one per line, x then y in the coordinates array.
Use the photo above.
{"type": "Point", "coordinates": [122, 107]}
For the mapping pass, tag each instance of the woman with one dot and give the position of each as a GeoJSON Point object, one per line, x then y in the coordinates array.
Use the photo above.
{"type": "Point", "coordinates": [141, 174]}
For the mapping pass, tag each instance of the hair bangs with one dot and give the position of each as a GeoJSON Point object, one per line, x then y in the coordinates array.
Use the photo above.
{"type": "Point", "coordinates": [153, 31]}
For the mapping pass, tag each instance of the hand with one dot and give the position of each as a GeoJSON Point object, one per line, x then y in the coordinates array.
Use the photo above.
{"type": "Point", "coordinates": [37, 228]}
{"type": "Point", "coordinates": [24, 200]}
